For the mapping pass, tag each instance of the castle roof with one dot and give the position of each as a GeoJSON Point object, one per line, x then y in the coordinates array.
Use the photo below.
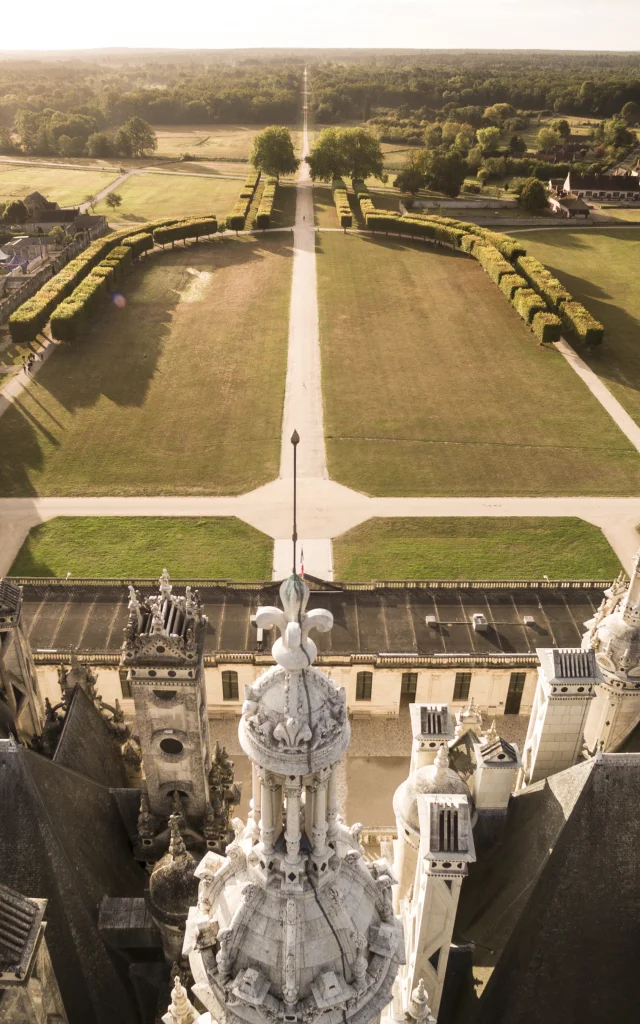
{"type": "Point", "coordinates": [553, 908]}
{"type": "Point", "coordinates": [62, 839]}
{"type": "Point", "coordinates": [87, 745]}
{"type": "Point", "coordinates": [20, 920]}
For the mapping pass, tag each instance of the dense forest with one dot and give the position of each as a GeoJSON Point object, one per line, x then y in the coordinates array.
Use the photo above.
{"type": "Point", "coordinates": [77, 105]}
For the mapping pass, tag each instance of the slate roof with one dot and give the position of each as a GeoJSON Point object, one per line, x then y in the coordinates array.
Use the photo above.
{"type": "Point", "coordinates": [86, 744]}
{"type": "Point", "coordinates": [63, 840]}
{"type": "Point", "coordinates": [19, 929]}
{"type": "Point", "coordinates": [604, 182]}
{"type": "Point", "coordinates": [367, 620]}
{"type": "Point", "coordinates": [553, 908]}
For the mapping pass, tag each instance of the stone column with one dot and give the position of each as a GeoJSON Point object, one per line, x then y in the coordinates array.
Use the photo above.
{"type": "Point", "coordinates": [256, 798]}
{"type": "Point", "coordinates": [293, 793]}
{"type": "Point", "coordinates": [332, 803]}
{"type": "Point", "coordinates": [320, 818]}
{"type": "Point", "coordinates": [267, 830]}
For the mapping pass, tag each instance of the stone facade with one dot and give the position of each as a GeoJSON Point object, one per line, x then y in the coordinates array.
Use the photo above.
{"type": "Point", "coordinates": [29, 992]}
{"type": "Point", "coordinates": [19, 688]}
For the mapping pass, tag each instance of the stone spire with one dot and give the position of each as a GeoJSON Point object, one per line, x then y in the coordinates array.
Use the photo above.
{"type": "Point", "coordinates": [418, 1009]}
{"type": "Point", "coordinates": [172, 889]}
{"type": "Point", "coordinates": [180, 1011]}
{"type": "Point", "coordinates": [294, 880]}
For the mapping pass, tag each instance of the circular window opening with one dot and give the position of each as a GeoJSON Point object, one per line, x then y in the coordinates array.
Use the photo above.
{"type": "Point", "coordinates": [152, 672]}
{"type": "Point", "coordinates": [563, 689]}
{"type": "Point", "coordinates": [581, 689]}
{"type": "Point", "coordinates": [172, 673]}
{"type": "Point", "coordinates": [501, 757]}
{"type": "Point", "coordinates": [446, 864]}
{"type": "Point", "coordinates": [160, 649]}
{"type": "Point", "coordinates": [165, 694]}
{"type": "Point", "coordinates": [171, 746]}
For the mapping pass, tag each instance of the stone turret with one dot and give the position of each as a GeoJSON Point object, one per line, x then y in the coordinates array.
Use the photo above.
{"type": "Point", "coordinates": [181, 1010]}
{"type": "Point", "coordinates": [173, 887]}
{"type": "Point", "coordinates": [293, 924]}
{"type": "Point", "coordinates": [614, 636]}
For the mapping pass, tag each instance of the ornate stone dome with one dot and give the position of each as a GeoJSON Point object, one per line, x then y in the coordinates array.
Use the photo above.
{"type": "Point", "coordinates": [173, 887]}
{"type": "Point", "coordinates": [614, 632]}
{"type": "Point", "coordinates": [433, 778]}
{"type": "Point", "coordinates": [294, 719]}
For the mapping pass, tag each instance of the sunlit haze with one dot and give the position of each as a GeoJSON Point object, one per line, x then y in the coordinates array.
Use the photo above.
{"type": "Point", "coordinates": [494, 24]}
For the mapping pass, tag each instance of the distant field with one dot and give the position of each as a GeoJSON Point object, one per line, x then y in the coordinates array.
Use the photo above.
{"type": "Point", "coordinates": [129, 546]}
{"type": "Point", "coordinates": [466, 548]}
{"type": "Point", "coordinates": [628, 214]}
{"type": "Point", "coordinates": [433, 384]}
{"type": "Point", "coordinates": [180, 392]}
{"type": "Point", "coordinates": [60, 185]}
{"type": "Point", "coordinates": [148, 196]}
{"type": "Point", "coordinates": [221, 143]}
{"type": "Point", "coordinates": [601, 269]}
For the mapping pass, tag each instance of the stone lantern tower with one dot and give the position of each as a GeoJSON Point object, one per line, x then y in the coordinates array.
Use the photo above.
{"type": "Point", "coordinates": [293, 924]}
{"type": "Point", "coordinates": [163, 653]}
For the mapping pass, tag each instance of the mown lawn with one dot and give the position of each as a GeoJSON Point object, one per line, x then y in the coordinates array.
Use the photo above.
{"type": "Point", "coordinates": [466, 548]}
{"type": "Point", "coordinates": [433, 384]}
{"type": "Point", "coordinates": [130, 547]}
{"type": "Point", "coordinates": [601, 268]}
{"type": "Point", "coordinates": [151, 195]}
{"type": "Point", "coordinates": [60, 185]}
{"type": "Point", "coordinates": [179, 392]}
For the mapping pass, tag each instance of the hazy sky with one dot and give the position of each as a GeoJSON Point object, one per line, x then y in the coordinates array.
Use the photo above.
{"type": "Point", "coordinates": [484, 24]}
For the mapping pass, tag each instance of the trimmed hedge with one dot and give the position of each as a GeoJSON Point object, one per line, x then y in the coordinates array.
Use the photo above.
{"type": "Point", "coordinates": [341, 199]}
{"type": "Point", "coordinates": [509, 247]}
{"type": "Point", "coordinates": [192, 228]}
{"type": "Point", "coordinates": [251, 180]}
{"type": "Point", "coordinates": [238, 216]}
{"type": "Point", "coordinates": [26, 322]}
{"type": "Point", "coordinates": [509, 284]}
{"type": "Point", "coordinates": [581, 324]}
{"type": "Point", "coordinates": [74, 311]}
{"type": "Point", "coordinates": [528, 303]}
{"type": "Point", "coordinates": [492, 262]}
{"type": "Point", "coordinates": [142, 242]}
{"type": "Point", "coordinates": [364, 200]}
{"type": "Point", "coordinates": [265, 206]}
{"type": "Point", "coordinates": [547, 327]}
{"type": "Point", "coordinates": [543, 281]}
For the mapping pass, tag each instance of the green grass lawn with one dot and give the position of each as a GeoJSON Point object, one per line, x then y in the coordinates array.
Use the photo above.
{"type": "Point", "coordinates": [179, 392]}
{"type": "Point", "coordinates": [433, 384]}
{"type": "Point", "coordinates": [626, 214]}
{"type": "Point", "coordinates": [150, 196]}
{"type": "Point", "coordinates": [601, 269]}
{"type": "Point", "coordinates": [132, 547]}
{"type": "Point", "coordinates": [445, 548]}
{"type": "Point", "coordinates": [324, 207]}
{"type": "Point", "coordinates": [60, 185]}
{"type": "Point", "coordinates": [224, 143]}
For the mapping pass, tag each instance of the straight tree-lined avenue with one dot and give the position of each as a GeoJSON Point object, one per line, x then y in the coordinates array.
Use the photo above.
{"type": "Point", "coordinates": [326, 508]}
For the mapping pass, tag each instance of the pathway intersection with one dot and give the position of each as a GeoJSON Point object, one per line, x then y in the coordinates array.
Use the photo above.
{"type": "Point", "coordinates": [325, 508]}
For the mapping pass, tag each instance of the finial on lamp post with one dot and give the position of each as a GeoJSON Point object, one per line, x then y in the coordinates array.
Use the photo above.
{"type": "Point", "coordinates": [295, 440]}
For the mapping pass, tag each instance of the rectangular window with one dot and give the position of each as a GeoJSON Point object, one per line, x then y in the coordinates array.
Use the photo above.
{"type": "Point", "coordinates": [409, 684]}
{"type": "Point", "coordinates": [461, 686]}
{"type": "Point", "coordinates": [229, 685]}
{"type": "Point", "coordinates": [364, 681]}
{"type": "Point", "coordinates": [514, 693]}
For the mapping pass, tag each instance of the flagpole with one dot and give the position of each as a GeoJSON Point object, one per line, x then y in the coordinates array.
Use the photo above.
{"type": "Point", "coordinates": [295, 439]}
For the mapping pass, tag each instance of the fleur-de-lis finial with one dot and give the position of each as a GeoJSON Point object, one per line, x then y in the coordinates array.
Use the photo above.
{"type": "Point", "coordinates": [294, 649]}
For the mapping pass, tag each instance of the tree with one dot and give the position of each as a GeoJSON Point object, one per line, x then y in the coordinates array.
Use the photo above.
{"type": "Point", "coordinates": [445, 172]}
{"type": "Point", "coordinates": [6, 140]}
{"type": "Point", "coordinates": [562, 127]}
{"type": "Point", "coordinates": [548, 140]}
{"type": "Point", "coordinates": [99, 144]}
{"type": "Point", "coordinates": [113, 200]}
{"type": "Point", "coordinates": [433, 136]}
{"type": "Point", "coordinates": [617, 133]}
{"type": "Point", "coordinates": [15, 212]}
{"type": "Point", "coordinates": [90, 200]}
{"type": "Point", "coordinates": [411, 179]}
{"type": "Point", "coordinates": [70, 146]}
{"type": "Point", "coordinates": [517, 145]}
{"type": "Point", "coordinates": [362, 153]}
{"type": "Point", "coordinates": [352, 151]}
{"type": "Point", "coordinates": [498, 113]}
{"type": "Point", "coordinates": [122, 144]}
{"type": "Point", "coordinates": [141, 134]}
{"type": "Point", "coordinates": [488, 139]}
{"type": "Point", "coordinates": [533, 196]}
{"type": "Point", "coordinates": [630, 112]}
{"type": "Point", "coordinates": [327, 158]}
{"type": "Point", "coordinates": [273, 153]}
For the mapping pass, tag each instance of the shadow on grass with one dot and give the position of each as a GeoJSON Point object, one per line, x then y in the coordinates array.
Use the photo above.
{"type": "Point", "coordinates": [117, 359]}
